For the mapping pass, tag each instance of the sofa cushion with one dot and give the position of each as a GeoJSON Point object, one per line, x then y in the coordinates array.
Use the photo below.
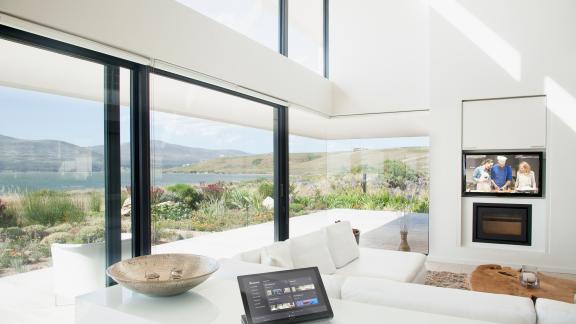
{"type": "Point", "coordinates": [378, 263]}
{"type": "Point", "coordinates": [277, 255]}
{"type": "Point", "coordinates": [333, 285]}
{"type": "Point", "coordinates": [311, 250]}
{"type": "Point", "coordinates": [252, 256]}
{"type": "Point", "coordinates": [445, 301]}
{"type": "Point", "coordinates": [341, 243]}
{"type": "Point", "coordinates": [232, 268]}
{"type": "Point", "coordinates": [555, 312]}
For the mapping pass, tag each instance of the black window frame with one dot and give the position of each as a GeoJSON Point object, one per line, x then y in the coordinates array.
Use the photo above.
{"type": "Point", "coordinates": [283, 32]}
{"type": "Point", "coordinates": [140, 142]}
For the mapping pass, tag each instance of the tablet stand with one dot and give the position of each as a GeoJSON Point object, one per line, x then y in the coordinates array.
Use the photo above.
{"type": "Point", "coordinates": [243, 319]}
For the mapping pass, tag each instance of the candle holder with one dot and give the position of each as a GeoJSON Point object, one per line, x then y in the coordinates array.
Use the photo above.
{"type": "Point", "coordinates": [529, 277]}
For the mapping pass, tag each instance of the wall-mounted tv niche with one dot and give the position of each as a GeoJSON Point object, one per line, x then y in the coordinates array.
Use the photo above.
{"type": "Point", "coordinates": [502, 174]}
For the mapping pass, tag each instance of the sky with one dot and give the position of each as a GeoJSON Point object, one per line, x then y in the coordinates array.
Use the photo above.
{"type": "Point", "coordinates": [34, 115]}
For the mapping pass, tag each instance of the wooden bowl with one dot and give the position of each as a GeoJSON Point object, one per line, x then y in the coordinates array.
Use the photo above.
{"type": "Point", "coordinates": [161, 275]}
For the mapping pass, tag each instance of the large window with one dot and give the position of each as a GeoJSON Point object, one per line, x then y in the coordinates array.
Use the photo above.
{"type": "Point", "coordinates": [53, 143]}
{"type": "Point", "coordinates": [212, 170]}
{"type": "Point", "coordinates": [306, 33]}
{"type": "Point", "coordinates": [256, 19]}
{"type": "Point", "coordinates": [379, 184]}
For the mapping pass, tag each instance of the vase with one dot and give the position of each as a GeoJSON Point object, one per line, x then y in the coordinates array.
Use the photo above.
{"type": "Point", "coordinates": [404, 242]}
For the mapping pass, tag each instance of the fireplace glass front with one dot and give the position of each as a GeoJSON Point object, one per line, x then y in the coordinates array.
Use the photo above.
{"type": "Point", "coordinates": [502, 223]}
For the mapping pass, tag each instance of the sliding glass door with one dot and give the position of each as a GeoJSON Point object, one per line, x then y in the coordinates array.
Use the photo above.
{"type": "Point", "coordinates": [212, 169]}
{"type": "Point", "coordinates": [65, 122]}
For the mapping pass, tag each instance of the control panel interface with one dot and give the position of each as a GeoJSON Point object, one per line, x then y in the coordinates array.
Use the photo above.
{"type": "Point", "coordinates": [283, 295]}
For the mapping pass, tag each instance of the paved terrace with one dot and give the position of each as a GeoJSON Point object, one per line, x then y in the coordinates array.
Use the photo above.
{"type": "Point", "coordinates": [28, 297]}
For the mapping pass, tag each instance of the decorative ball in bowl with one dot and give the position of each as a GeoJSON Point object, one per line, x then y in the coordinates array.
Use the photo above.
{"type": "Point", "coordinates": [162, 275]}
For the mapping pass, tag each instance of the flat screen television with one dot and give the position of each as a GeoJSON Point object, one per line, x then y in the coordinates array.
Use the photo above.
{"type": "Point", "coordinates": [502, 174]}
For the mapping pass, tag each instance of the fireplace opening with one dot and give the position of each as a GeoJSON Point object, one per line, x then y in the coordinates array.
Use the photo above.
{"type": "Point", "coordinates": [502, 223]}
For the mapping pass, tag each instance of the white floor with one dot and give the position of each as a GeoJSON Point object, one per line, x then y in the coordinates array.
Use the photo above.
{"type": "Point", "coordinates": [28, 297]}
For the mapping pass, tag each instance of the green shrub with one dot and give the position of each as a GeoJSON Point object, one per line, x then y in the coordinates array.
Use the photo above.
{"type": "Point", "coordinates": [65, 227]}
{"type": "Point", "coordinates": [422, 205]}
{"type": "Point", "coordinates": [5, 257]}
{"type": "Point", "coordinates": [49, 207]}
{"type": "Point", "coordinates": [296, 208]}
{"type": "Point", "coordinates": [14, 233]}
{"type": "Point", "coordinates": [17, 263]}
{"type": "Point", "coordinates": [58, 237]}
{"type": "Point", "coordinates": [266, 189]}
{"type": "Point", "coordinates": [171, 211]}
{"type": "Point", "coordinates": [186, 194]}
{"type": "Point", "coordinates": [35, 232]}
{"type": "Point", "coordinates": [95, 202]}
{"type": "Point", "coordinates": [8, 214]}
{"type": "Point", "coordinates": [35, 251]}
{"type": "Point", "coordinates": [398, 174]}
{"type": "Point", "coordinates": [238, 199]}
{"type": "Point", "coordinates": [90, 234]}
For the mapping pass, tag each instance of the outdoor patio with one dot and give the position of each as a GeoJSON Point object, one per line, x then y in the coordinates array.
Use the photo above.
{"type": "Point", "coordinates": [29, 298]}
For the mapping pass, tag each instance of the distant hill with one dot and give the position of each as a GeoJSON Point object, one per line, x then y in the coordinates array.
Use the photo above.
{"type": "Point", "coordinates": [20, 155]}
{"type": "Point", "coordinates": [313, 163]}
{"type": "Point", "coordinates": [46, 155]}
{"type": "Point", "coordinates": [171, 155]}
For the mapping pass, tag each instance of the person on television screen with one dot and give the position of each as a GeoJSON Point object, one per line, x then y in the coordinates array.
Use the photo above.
{"type": "Point", "coordinates": [501, 174]}
{"type": "Point", "coordinates": [525, 179]}
{"type": "Point", "coordinates": [481, 176]}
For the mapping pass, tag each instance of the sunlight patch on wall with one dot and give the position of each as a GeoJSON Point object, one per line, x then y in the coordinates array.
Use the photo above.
{"type": "Point", "coordinates": [500, 51]}
{"type": "Point", "coordinates": [560, 102]}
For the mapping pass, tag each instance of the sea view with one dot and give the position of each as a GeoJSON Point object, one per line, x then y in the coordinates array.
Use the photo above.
{"type": "Point", "coordinates": [13, 182]}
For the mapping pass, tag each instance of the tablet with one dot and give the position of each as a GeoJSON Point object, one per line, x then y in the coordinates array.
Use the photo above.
{"type": "Point", "coordinates": [291, 296]}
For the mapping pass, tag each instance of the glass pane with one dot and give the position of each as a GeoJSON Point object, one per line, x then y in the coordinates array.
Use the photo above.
{"type": "Point", "coordinates": [125, 164]}
{"type": "Point", "coordinates": [308, 181]}
{"type": "Point", "coordinates": [382, 179]}
{"type": "Point", "coordinates": [51, 182]}
{"type": "Point", "coordinates": [306, 33]}
{"type": "Point", "coordinates": [212, 170]}
{"type": "Point", "coordinates": [256, 19]}
{"type": "Point", "coordinates": [379, 185]}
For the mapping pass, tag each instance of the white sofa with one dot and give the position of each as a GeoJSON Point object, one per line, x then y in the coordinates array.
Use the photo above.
{"type": "Point", "coordinates": [366, 262]}
{"type": "Point", "coordinates": [454, 302]}
{"type": "Point", "coordinates": [555, 312]}
{"type": "Point", "coordinates": [389, 278]}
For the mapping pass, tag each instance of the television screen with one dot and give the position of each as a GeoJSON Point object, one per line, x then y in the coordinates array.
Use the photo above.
{"type": "Point", "coordinates": [502, 173]}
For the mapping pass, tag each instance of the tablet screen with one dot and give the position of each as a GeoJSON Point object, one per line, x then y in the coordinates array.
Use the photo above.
{"type": "Point", "coordinates": [284, 296]}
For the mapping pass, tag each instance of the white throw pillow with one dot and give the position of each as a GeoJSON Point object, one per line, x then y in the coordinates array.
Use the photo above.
{"type": "Point", "coordinates": [277, 255]}
{"type": "Point", "coordinates": [311, 250]}
{"type": "Point", "coordinates": [342, 244]}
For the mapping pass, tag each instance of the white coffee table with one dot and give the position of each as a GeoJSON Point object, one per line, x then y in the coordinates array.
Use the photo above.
{"type": "Point", "coordinates": [218, 302]}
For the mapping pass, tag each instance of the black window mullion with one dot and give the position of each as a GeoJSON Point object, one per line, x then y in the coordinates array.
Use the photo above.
{"type": "Point", "coordinates": [283, 27]}
{"type": "Point", "coordinates": [140, 161]}
{"type": "Point", "coordinates": [113, 203]}
{"type": "Point", "coordinates": [281, 174]}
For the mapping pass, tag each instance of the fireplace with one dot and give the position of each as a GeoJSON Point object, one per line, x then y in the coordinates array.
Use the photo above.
{"type": "Point", "coordinates": [502, 223]}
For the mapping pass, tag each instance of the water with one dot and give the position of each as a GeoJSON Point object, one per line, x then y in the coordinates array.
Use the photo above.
{"type": "Point", "coordinates": [11, 182]}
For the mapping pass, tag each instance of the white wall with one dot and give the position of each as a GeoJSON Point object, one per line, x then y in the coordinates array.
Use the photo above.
{"type": "Point", "coordinates": [168, 31]}
{"type": "Point", "coordinates": [378, 55]}
{"type": "Point", "coordinates": [494, 48]}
